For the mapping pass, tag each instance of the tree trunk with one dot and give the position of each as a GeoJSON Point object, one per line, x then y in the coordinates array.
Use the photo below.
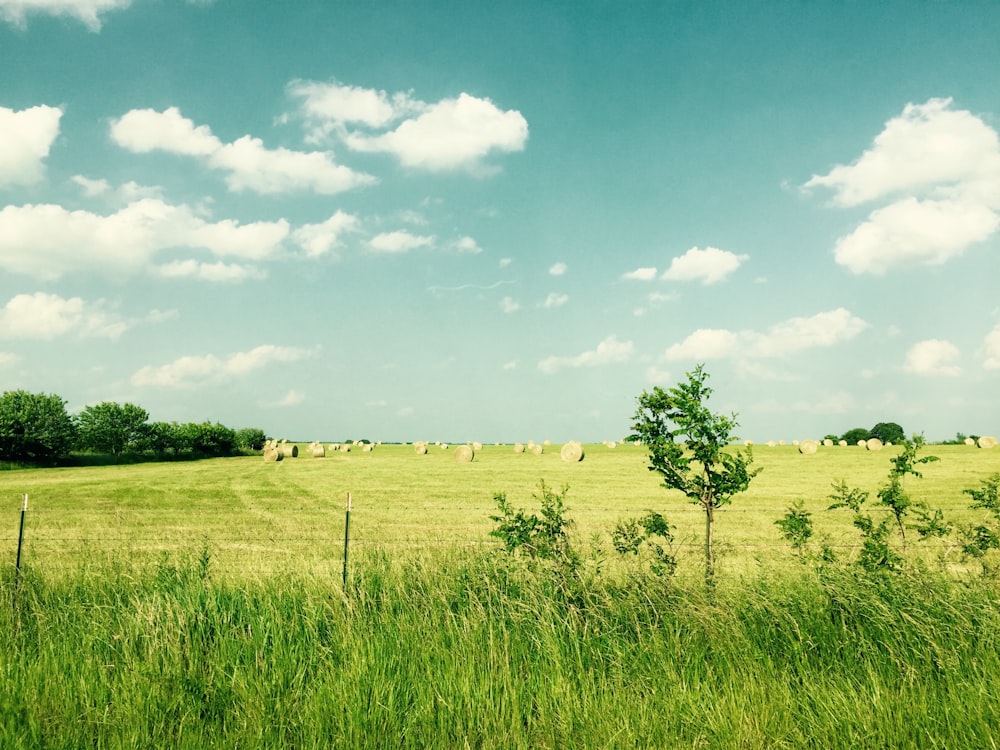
{"type": "Point", "coordinates": [709, 548]}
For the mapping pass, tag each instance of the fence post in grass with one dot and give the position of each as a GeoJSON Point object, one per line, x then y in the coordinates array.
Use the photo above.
{"type": "Point", "coordinates": [347, 529]}
{"type": "Point", "coordinates": [20, 541]}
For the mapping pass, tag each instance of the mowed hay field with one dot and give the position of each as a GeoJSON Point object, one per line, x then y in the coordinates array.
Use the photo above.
{"type": "Point", "coordinates": [197, 605]}
{"type": "Point", "coordinates": [257, 518]}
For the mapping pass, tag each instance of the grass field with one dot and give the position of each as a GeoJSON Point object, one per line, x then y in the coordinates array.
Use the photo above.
{"type": "Point", "coordinates": [197, 605]}
{"type": "Point", "coordinates": [260, 517]}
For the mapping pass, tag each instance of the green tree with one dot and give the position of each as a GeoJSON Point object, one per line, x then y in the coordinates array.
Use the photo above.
{"type": "Point", "coordinates": [852, 436]}
{"type": "Point", "coordinates": [888, 432]}
{"type": "Point", "coordinates": [113, 428]}
{"type": "Point", "coordinates": [687, 447]}
{"type": "Point", "coordinates": [34, 427]}
{"type": "Point", "coordinates": [250, 438]}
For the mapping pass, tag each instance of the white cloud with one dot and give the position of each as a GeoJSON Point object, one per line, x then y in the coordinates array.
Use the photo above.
{"type": "Point", "coordinates": [7, 359]}
{"type": "Point", "coordinates": [92, 188]}
{"type": "Point", "coordinates": [320, 239]}
{"type": "Point", "coordinates": [647, 273]}
{"type": "Point", "coordinates": [48, 241]}
{"type": "Point", "coordinates": [558, 269]}
{"type": "Point", "coordinates": [927, 145]}
{"type": "Point", "coordinates": [946, 165]}
{"type": "Point", "coordinates": [330, 106]}
{"type": "Point", "coordinates": [47, 316]}
{"type": "Point", "coordinates": [193, 370]}
{"type": "Point", "coordinates": [509, 305]}
{"type": "Point", "coordinates": [932, 357]}
{"type": "Point", "coordinates": [467, 245]}
{"type": "Point", "coordinates": [399, 242]}
{"type": "Point", "coordinates": [292, 398]}
{"type": "Point", "coordinates": [555, 300]}
{"type": "Point", "coordinates": [504, 262]}
{"type": "Point", "coordinates": [88, 12]}
{"type": "Point", "coordinates": [790, 336]}
{"type": "Point", "coordinates": [654, 301]}
{"type": "Point", "coordinates": [28, 136]}
{"type": "Point", "coordinates": [247, 163]}
{"type": "Point", "coordinates": [609, 351]}
{"type": "Point", "coordinates": [914, 231]}
{"type": "Point", "coordinates": [451, 134]}
{"type": "Point", "coordinates": [991, 349]}
{"type": "Point", "coordinates": [218, 272]}
{"type": "Point", "coordinates": [708, 266]}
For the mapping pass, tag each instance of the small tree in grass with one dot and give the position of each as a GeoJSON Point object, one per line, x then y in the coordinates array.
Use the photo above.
{"type": "Point", "coordinates": [687, 447]}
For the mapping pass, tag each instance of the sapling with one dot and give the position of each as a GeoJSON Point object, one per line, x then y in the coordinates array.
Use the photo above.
{"type": "Point", "coordinates": [687, 443]}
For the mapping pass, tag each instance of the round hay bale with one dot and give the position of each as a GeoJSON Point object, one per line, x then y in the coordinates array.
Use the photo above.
{"type": "Point", "coordinates": [367, 448]}
{"type": "Point", "coordinates": [345, 448]}
{"type": "Point", "coordinates": [771, 443]}
{"type": "Point", "coordinates": [781, 442]}
{"type": "Point", "coordinates": [862, 443]}
{"type": "Point", "coordinates": [420, 448]}
{"type": "Point", "coordinates": [289, 450]}
{"type": "Point", "coordinates": [537, 449]}
{"type": "Point", "coordinates": [842, 443]}
{"type": "Point", "coordinates": [477, 447]}
{"type": "Point", "coordinates": [464, 454]}
{"type": "Point", "coordinates": [546, 443]}
{"type": "Point", "coordinates": [808, 447]}
{"type": "Point", "coordinates": [272, 455]}
{"type": "Point", "coordinates": [795, 443]}
{"type": "Point", "coordinates": [828, 442]}
{"type": "Point", "coordinates": [873, 444]}
{"type": "Point", "coordinates": [612, 444]}
{"type": "Point", "coordinates": [970, 441]}
{"type": "Point", "coordinates": [572, 452]}
{"type": "Point", "coordinates": [318, 451]}
{"type": "Point", "coordinates": [518, 448]}
{"type": "Point", "coordinates": [747, 443]}
{"type": "Point", "coordinates": [987, 441]}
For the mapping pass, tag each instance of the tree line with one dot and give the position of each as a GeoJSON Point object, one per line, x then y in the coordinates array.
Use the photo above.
{"type": "Point", "coordinates": [36, 428]}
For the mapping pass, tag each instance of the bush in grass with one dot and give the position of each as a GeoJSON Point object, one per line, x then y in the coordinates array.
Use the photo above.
{"type": "Point", "coordinates": [687, 443]}
{"type": "Point", "coordinates": [978, 540]}
{"type": "Point", "coordinates": [797, 528]}
{"type": "Point", "coordinates": [543, 537]}
{"type": "Point", "coordinates": [650, 537]}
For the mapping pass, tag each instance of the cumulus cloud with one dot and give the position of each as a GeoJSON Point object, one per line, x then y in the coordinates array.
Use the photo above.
{"type": "Point", "coordinates": [292, 398]}
{"type": "Point", "coordinates": [218, 272]}
{"type": "Point", "coordinates": [708, 266]}
{"type": "Point", "coordinates": [939, 171]}
{"type": "Point", "coordinates": [195, 370]}
{"type": "Point", "coordinates": [247, 163]}
{"type": "Point", "coordinates": [991, 349]}
{"type": "Point", "coordinates": [48, 316]}
{"type": "Point", "coordinates": [398, 242]}
{"type": "Point", "coordinates": [450, 134]}
{"type": "Point", "coordinates": [509, 305]}
{"type": "Point", "coordinates": [609, 351]}
{"type": "Point", "coordinates": [932, 357]}
{"type": "Point", "coordinates": [554, 299]}
{"type": "Point", "coordinates": [88, 12]}
{"type": "Point", "coordinates": [558, 269]}
{"type": "Point", "coordinates": [795, 334]}
{"type": "Point", "coordinates": [329, 106]}
{"type": "Point", "coordinates": [647, 273]}
{"type": "Point", "coordinates": [7, 359]}
{"type": "Point", "coordinates": [467, 245]}
{"type": "Point", "coordinates": [323, 238]}
{"type": "Point", "coordinates": [28, 136]}
{"type": "Point", "coordinates": [48, 241]}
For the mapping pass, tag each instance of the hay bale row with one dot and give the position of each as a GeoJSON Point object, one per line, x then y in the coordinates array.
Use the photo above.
{"type": "Point", "coordinates": [317, 449]}
{"type": "Point", "coordinates": [572, 452]}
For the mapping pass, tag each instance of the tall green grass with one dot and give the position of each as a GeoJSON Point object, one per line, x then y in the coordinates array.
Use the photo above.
{"type": "Point", "coordinates": [466, 649]}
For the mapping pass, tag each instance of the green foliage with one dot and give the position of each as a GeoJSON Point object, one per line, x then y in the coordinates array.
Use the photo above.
{"type": "Point", "coordinates": [852, 436]}
{"type": "Point", "coordinates": [891, 494]}
{"type": "Point", "coordinates": [978, 540]}
{"type": "Point", "coordinates": [250, 438]}
{"type": "Point", "coordinates": [686, 444]}
{"type": "Point", "coordinates": [796, 526]}
{"type": "Point", "coordinates": [649, 535]}
{"type": "Point", "coordinates": [542, 537]}
{"type": "Point", "coordinates": [888, 432]}
{"type": "Point", "coordinates": [34, 427]}
{"type": "Point", "coordinates": [113, 428]}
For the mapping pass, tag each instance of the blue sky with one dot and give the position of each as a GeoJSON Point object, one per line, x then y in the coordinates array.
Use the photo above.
{"type": "Point", "coordinates": [439, 220]}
